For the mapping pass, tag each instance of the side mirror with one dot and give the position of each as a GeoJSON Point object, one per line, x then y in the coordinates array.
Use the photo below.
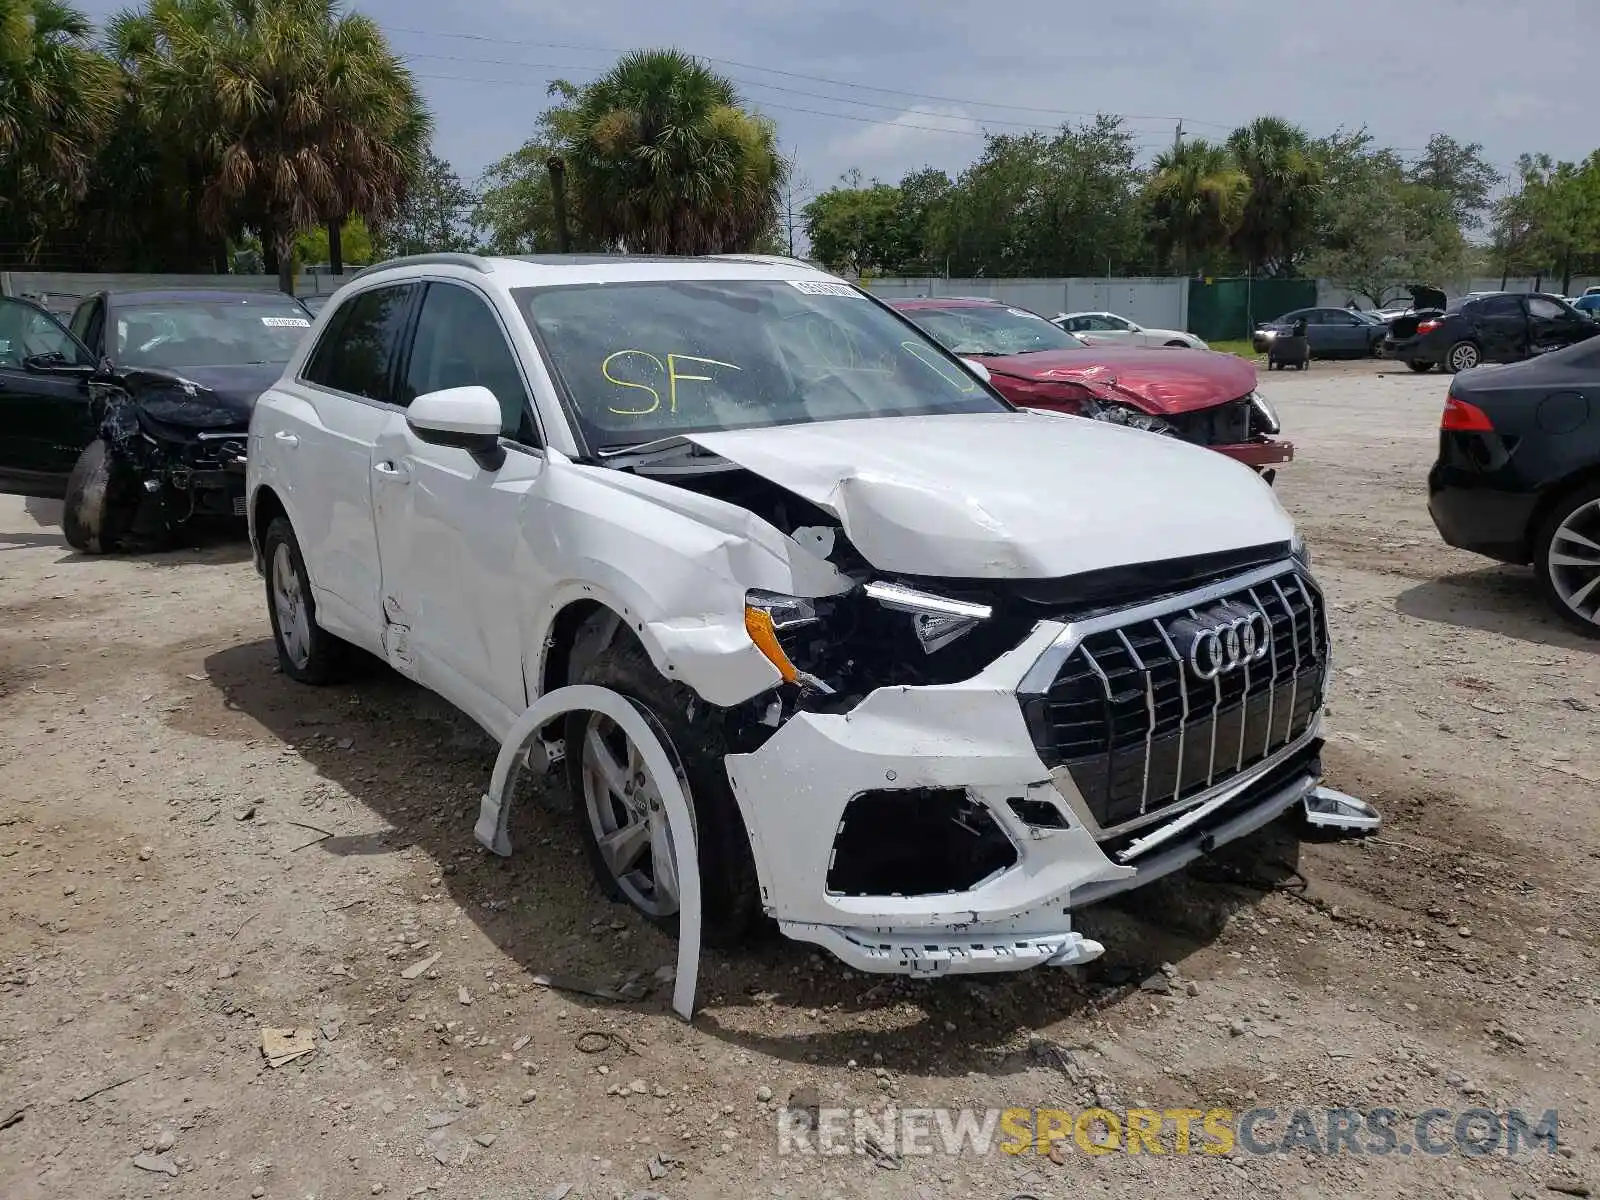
{"type": "Point", "coordinates": [977, 368]}
{"type": "Point", "coordinates": [467, 418]}
{"type": "Point", "coordinates": [54, 364]}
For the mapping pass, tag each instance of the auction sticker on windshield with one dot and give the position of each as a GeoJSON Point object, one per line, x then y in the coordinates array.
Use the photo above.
{"type": "Point", "coordinates": [812, 287]}
{"type": "Point", "coordinates": [286, 322]}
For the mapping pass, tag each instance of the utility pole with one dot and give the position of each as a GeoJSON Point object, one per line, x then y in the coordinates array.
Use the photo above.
{"type": "Point", "coordinates": [1177, 138]}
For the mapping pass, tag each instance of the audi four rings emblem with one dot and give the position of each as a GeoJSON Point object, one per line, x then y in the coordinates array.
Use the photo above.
{"type": "Point", "coordinates": [1228, 640]}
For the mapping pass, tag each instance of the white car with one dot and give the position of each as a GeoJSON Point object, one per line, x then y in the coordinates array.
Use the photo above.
{"type": "Point", "coordinates": [932, 670]}
{"type": "Point", "coordinates": [1103, 328]}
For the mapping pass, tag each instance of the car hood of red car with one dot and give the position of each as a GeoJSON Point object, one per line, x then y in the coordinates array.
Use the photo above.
{"type": "Point", "coordinates": [1165, 380]}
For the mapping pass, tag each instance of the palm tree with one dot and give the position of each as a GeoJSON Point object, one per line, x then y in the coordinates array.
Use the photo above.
{"type": "Point", "coordinates": [290, 113]}
{"type": "Point", "coordinates": [663, 159]}
{"type": "Point", "coordinates": [1285, 187]}
{"type": "Point", "coordinates": [58, 96]}
{"type": "Point", "coordinates": [1196, 198]}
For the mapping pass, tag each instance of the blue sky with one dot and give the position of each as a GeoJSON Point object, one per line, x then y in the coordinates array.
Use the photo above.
{"type": "Point", "coordinates": [929, 77]}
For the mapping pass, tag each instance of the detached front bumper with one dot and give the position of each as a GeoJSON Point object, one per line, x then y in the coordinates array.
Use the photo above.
{"type": "Point", "coordinates": [843, 812]}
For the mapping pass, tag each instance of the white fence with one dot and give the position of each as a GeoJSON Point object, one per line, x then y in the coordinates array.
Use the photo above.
{"type": "Point", "coordinates": [1161, 303]}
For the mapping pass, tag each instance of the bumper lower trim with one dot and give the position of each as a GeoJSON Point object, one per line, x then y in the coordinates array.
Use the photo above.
{"type": "Point", "coordinates": [931, 952]}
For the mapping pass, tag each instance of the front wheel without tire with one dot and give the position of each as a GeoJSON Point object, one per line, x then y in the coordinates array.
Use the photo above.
{"type": "Point", "coordinates": [621, 818]}
{"type": "Point", "coordinates": [101, 501]}
{"type": "Point", "coordinates": [1567, 559]}
{"type": "Point", "coordinates": [307, 653]}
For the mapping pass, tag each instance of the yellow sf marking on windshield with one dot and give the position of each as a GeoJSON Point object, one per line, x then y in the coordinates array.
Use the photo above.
{"type": "Point", "coordinates": [655, 397]}
{"type": "Point", "coordinates": [673, 376]}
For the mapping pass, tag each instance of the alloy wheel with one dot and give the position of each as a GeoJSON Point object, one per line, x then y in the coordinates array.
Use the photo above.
{"type": "Point", "coordinates": [1574, 561]}
{"type": "Point", "coordinates": [1464, 357]}
{"type": "Point", "coordinates": [628, 819]}
{"type": "Point", "coordinates": [288, 597]}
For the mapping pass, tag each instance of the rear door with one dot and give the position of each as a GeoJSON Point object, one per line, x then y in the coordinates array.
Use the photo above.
{"type": "Point", "coordinates": [1499, 324]}
{"type": "Point", "coordinates": [344, 398]}
{"type": "Point", "coordinates": [45, 419]}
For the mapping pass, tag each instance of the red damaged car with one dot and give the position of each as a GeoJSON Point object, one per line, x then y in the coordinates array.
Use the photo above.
{"type": "Point", "coordinates": [1200, 396]}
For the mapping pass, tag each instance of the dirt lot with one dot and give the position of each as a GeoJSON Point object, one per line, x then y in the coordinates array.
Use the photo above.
{"type": "Point", "coordinates": [171, 888]}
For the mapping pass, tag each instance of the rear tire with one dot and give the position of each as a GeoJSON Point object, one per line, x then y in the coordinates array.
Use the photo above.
{"type": "Point", "coordinates": [101, 502]}
{"type": "Point", "coordinates": [1462, 356]}
{"type": "Point", "coordinates": [729, 892]}
{"type": "Point", "coordinates": [307, 653]}
{"type": "Point", "coordinates": [1571, 586]}
{"type": "Point", "coordinates": [1421, 368]}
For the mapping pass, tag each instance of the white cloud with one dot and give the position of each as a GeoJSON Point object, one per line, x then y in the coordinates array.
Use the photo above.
{"type": "Point", "coordinates": [924, 135]}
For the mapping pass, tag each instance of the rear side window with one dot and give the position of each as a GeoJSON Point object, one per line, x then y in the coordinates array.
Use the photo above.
{"type": "Point", "coordinates": [356, 353]}
{"type": "Point", "coordinates": [460, 342]}
{"type": "Point", "coordinates": [1498, 306]}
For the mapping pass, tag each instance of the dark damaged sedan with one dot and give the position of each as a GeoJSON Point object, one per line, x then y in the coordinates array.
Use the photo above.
{"type": "Point", "coordinates": [139, 414]}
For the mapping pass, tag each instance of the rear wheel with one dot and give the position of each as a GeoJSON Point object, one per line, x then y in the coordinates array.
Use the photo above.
{"type": "Point", "coordinates": [101, 502]}
{"type": "Point", "coordinates": [1567, 559]}
{"type": "Point", "coordinates": [1462, 356]}
{"type": "Point", "coordinates": [621, 819]}
{"type": "Point", "coordinates": [1421, 368]}
{"type": "Point", "coordinates": [307, 653]}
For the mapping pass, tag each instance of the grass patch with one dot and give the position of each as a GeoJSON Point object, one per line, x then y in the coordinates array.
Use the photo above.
{"type": "Point", "coordinates": [1241, 349]}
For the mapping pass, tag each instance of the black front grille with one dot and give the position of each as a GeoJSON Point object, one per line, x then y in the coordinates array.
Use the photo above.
{"type": "Point", "coordinates": [1138, 727]}
{"type": "Point", "coordinates": [1223, 425]}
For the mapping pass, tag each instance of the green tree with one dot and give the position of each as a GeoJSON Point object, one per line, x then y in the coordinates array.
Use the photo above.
{"type": "Point", "coordinates": [1563, 204]}
{"type": "Point", "coordinates": [663, 159]}
{"type": "Point", "coordinates": [1378, 230]}
{"type": "Point", "coordinates": [1460, 173]}
{"type": "Point", "coordinates": [435, 215]}
{"type": "Point", "coordinates": [862, 230]}
{"type": "Point", "coordinates": [1285, 188]}
{"type": "Point", "coordinates": [58, 100]}
{"type": "Point", "coordinates": [311, 247]}
{"type": "Point", "coordinates": [286, 113]}
{"type": "Point", "coordinates": [1195, 198]}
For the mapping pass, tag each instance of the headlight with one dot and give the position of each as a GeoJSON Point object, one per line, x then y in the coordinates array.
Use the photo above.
{"type": "Point", "coordinates": [1268, 414]}
{"type": "Point", "coordinates": [1299, 549]}
{"type": "Point", "coordinates": [936, 620]}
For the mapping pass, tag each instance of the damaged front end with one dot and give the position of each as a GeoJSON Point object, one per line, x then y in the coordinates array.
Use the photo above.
{"type": "Point", "coordinates": [182, 447]}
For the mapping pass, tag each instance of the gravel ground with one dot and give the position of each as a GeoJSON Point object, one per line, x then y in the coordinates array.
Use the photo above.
{"type": "Point", "coordinates": [193, 849]}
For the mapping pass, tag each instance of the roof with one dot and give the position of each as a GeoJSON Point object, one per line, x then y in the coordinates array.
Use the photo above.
{"type": "Point", "coordinates": [912, 303]}
{"type": "Point", "coordinates": [544, 270]}
{"type": "Point", "coordinates": [196, 296]}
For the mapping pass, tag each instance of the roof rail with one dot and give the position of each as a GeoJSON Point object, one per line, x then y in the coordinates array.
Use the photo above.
{"type": "Point", "coordinates": [475, 262]}
{"type": "Point", "coordinates": [776, 260]}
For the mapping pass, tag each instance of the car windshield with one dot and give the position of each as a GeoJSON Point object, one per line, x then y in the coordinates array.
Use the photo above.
{"type": "Point", "coordinates": [208, 333]}
{"type": "Point", "coordinates": [992, 329]}
{"type": "Point", "coordinates": [642, 361]}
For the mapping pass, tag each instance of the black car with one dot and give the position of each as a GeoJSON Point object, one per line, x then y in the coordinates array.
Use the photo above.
{"type": "Point", "coordinates": [138, 414]}
{"type": "Point", "coordinates": [1518, 476]}
{"type": "Point", "coordinates": [1501, 327]}
{"type": "Point", "coordinates": [1332, 332]}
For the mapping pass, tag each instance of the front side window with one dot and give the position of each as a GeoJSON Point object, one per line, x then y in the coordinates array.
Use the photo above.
{"type": "Point", "coordinates": [26, 332]}
{"type": "Point", "coordinates": [993, 329]}
{"type": "Point", "coordinates": [1546, 309]}
{"type": "Point", "coordinates": [358, 346]}
{"type": "Point", "coordinates": [170, 335]}
{"type": "Point", "coordinates": [1115, 324]}
{"type": "Point", "coordinates": [641, 361]}
{"type": "Point", "coordinates": [459, 342]}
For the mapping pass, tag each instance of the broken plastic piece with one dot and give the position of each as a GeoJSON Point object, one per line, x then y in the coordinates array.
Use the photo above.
{"type": "Point", "coordinates": [494, 813]}
{"type": "Point", "coordinates": [1329, 809]}
{"type": "Point", "coordinates": [283, 1046]}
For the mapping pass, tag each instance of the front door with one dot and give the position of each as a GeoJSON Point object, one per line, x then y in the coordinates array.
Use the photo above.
{"type": "Point", "coordinates": [45, 418]}
{"type": "Point", "coordinates": [455, 574]}
{"type": "Point", "coordinates": [1553, 324]}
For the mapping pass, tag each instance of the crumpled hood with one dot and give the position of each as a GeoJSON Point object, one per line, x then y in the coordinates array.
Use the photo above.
{"type": "Point", "coordinates": [1018, 495]}
{"type": "Point", "coordinates": [201, 397]}
{"type": "Point", "coordinates": [1165, 380]}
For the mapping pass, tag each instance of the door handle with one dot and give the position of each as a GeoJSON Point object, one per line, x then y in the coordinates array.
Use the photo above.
{"type": "Point", "coordinates": [288, 439]}
{"type": "Point", "coordinates": [390, 471]}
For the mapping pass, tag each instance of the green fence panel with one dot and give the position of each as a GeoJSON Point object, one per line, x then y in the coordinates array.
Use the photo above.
{"type": "Point", "coordinates": [1228, 309]}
